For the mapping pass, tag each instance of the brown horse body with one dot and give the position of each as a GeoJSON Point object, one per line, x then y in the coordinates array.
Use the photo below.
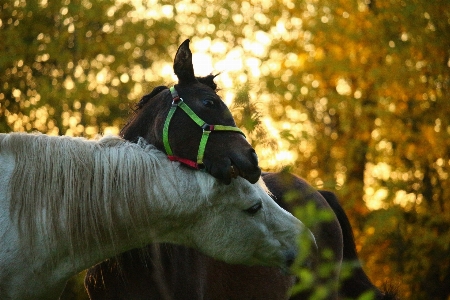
{"type": "Point", "coordinates": [173, 272]}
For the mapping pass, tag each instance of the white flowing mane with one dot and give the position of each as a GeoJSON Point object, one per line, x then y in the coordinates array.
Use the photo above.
{"type": "Point", "coordinates": [61, 185]}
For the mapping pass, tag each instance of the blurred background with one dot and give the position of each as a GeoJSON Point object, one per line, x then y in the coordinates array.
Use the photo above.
{"type": "Point", "coordinates": [352, 95]}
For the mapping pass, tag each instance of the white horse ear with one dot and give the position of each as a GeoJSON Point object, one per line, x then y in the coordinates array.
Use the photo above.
{"type": "Point", "coordinates": [182, 65]}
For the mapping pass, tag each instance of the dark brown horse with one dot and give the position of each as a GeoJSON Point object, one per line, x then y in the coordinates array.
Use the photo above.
{"type": "Point", "coordinates": [200, 131]}
{"type": "Point", "coordinates": [174, 272]}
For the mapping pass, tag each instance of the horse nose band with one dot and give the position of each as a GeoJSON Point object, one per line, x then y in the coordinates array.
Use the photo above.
{"type": "Point", "coordinates": [177, 101]}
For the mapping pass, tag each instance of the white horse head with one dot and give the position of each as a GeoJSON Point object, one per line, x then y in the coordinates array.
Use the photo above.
{"type": "Point", "coordinates": [247, 227]}
{"type": "Point", "coordinates": [68, 203]}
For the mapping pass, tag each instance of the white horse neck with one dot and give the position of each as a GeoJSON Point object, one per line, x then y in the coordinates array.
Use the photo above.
{"type": "Point", "coordinates": [77, 202]}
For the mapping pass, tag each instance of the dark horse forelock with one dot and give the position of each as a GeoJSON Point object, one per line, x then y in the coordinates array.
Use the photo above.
{"type": "Point", "coordinates": [147, 97]}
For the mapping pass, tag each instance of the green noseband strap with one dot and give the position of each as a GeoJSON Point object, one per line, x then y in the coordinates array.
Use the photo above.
{"type": "Point", "coordinates": [207, 129]}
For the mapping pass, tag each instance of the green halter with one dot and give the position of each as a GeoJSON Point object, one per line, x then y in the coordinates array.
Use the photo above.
{"type": "Point", "coordinates": [207, 129]}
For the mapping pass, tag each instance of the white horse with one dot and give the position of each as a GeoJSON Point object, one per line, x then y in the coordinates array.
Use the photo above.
{"type": "Point", "coordinates": [69, 203]}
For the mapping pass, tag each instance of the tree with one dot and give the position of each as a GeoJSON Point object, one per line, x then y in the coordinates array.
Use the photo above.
{"type": "Point", "coordinates": [373, 78]}
{"type": "Point", "coordinates": [72, 66]}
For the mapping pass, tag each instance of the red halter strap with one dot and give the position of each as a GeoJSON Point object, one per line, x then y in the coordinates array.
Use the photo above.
{"type": "Point", "coordinates": [185, 161]}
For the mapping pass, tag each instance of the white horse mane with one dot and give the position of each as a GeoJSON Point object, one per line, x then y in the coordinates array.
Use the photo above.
{"type": "Point", "coordinates": [67, 188]}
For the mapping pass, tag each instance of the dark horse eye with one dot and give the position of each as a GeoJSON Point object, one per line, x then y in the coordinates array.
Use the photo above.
{"type": "Point", "coordinates": [208, 103]}
{"type": "Point", "coordinates": [253, 209]}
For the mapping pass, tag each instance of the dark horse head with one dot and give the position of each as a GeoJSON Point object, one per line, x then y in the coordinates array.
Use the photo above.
{"type": "Point", "coordinates": [200, 130]}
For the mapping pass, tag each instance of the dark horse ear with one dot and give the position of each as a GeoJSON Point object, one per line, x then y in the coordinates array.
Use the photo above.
{"type": "Point", "coordinates": [183, 64]}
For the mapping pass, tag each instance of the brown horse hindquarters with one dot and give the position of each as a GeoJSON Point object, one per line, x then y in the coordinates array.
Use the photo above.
{"type": "Point", "coordinates": [336, 235]}
{"type": "Point", "coordinates": [358, 283]}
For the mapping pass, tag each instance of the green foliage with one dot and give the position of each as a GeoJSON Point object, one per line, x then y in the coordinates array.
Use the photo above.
{"type": "Point", "coordinates": [248, 116]}
{"type": "Point", "coordinates": [316, 280]}
{"type": "Point", "coordinates": [410, 239]}
{"type": "Point", "coordinates": [369, 295]}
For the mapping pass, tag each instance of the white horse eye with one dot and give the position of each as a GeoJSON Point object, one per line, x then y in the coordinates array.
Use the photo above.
{"type": "Point", "coordinates": [253, 209]}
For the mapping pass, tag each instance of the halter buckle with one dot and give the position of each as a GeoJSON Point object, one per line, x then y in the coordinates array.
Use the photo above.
{"type": "Point", "coordinates": [176, 101]}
